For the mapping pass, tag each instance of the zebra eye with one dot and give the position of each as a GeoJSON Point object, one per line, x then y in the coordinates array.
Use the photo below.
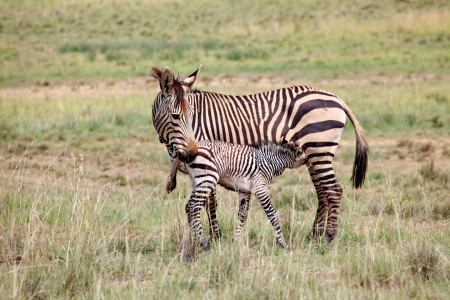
{"type": "Point", "coordinates": [175, 116]}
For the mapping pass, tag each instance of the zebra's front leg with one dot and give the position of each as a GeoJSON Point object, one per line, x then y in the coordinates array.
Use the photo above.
{"type": "Point", "coordinates": [212, 216]}
{"type": "Point", "coordinates": [193, 208]}
{"type": "Point", "coordinates": [172, 180]}
{"type": "Point", "coordinates": [244, 204]}
{"type": "Point", "coordinates": [262, 194]}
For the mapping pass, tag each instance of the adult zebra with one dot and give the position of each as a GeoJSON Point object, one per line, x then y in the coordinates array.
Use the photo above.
{"type": "Point", "coordinates": [302, 115]}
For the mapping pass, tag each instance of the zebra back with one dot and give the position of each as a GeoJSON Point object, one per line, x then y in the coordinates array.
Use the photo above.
{"type": "Point", "coordinates": [313, 117]}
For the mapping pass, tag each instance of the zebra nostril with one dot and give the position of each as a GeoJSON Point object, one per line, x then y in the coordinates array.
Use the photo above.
{"type": "Point", "coordinates": [190, 156]}
{"type": "Point", "coordinates": [187, 158]}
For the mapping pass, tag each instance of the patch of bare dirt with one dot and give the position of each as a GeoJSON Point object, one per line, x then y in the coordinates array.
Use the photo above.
{"type": "Point", "coordinates": [82, 88]}
{"type": "Point", "coordinates": [273, 80]}
{"type": "Point", "coordinates": [129, 164]}
{"type": "Point", "coordinates": [255, 80]}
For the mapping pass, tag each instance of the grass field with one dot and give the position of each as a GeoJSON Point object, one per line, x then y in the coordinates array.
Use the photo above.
{"type": "Point", "coordinates": [83, 208]}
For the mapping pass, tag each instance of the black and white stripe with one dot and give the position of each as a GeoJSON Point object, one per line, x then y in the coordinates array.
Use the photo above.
{"type": "Point", "coordinates": [171, 116]}
{"type": "Point", "coordinates": [308, 116]}
{"type": "Point", "coordinates": [245, 169]}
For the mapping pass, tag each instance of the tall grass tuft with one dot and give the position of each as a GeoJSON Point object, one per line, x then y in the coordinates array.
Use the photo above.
{"type": "Point", "coordinates": [185, 244]}
{"type": "Point", "coordinates": [425, 261]}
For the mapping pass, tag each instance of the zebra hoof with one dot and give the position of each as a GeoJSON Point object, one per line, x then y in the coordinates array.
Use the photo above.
{"type": "Point", "coordinates": [326, 240]}
{"type": "Point", "coordinates": [315, 234]}
{"type": "Point", "coordinates": [171, 185]}
{"type": "Point", "coordinates": [216, 236]}
{"type": "Point", "coordinates": [289, 247]}
{"type": "Point", "coordinates": [286, 245]}
{"type": "Point", "coordinates": [206, 247]}
{"type": "Point", "coordinates": [330, 236]}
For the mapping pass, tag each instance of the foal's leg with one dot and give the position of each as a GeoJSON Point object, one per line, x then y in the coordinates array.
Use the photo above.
{"type": "Point", "coordinates": [244, 204]}
{"type": "Point", "coordinates": [262, 194]}
{"type": "Point", "coordinates": [212, 217]}
{"type": "Point", "coordinates": [203, 192]}
{"type": "Point", "coordinates": [193, 208]}
{"type": "Point", "coordinates": [211, 204]}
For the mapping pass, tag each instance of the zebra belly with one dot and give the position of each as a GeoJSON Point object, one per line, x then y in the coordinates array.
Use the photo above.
{"type": "Point", "coordinates": [237, 184]}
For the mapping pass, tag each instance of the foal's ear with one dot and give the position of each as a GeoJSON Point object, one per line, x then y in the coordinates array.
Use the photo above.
{"type": "Point", "coordinates": [189, 81]}
{"type": "Point", "coordinates": [166, 81]}
{"type": "Point", "coordinates": [298, 146]}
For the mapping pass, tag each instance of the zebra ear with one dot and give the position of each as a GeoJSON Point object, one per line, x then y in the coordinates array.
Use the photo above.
{"type": "Point", "coordinates": [189, 81]}
{"type": "Point", "coordinates": [166, 81]}
{"type": "Point", "coordinates": [298, 145]}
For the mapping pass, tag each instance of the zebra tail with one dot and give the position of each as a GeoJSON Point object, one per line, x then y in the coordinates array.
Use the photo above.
{"type": "Point", "coordinates": [360, 164]}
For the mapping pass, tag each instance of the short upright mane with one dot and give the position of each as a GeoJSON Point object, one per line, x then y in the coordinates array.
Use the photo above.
{"type": "Point", "coordinates": [275, 148]}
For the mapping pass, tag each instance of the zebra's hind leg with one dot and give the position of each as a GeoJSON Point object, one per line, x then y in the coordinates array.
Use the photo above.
{"type": "Point", "coordinates": [334, 193]}
{"type": "Point", "coordinates": [262, 194]}
{"type": "Point", "coordinates": [214, 229]}
{"type": "Point", "coordinates": [329, 194]}
{"type": "Point", "coordinates": [244, 204]}
{"type": "Point", "coordinates": [321, 214]}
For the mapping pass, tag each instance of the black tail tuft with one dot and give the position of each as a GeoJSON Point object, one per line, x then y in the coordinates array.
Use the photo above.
{"type": "Point", "coordinates": [360, 165]}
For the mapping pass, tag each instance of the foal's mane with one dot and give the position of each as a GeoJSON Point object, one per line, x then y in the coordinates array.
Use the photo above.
{"type": "Point", "coordinates": [275, 147]}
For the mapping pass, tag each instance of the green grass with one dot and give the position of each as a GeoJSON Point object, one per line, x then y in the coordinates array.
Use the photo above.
{"type": "Point", "coordinates": [70, 240]}
{"type": "Point", "coordinates": [85, 214]}
{"type": "Point", "coordinates": [319, 38]}
{"type": "Point", "coordinates": [83, 209]}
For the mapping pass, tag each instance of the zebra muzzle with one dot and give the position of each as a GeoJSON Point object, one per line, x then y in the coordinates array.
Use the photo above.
{"type": "Point", "coordinates": [190, 154]}
{"type": "Point", "coordinates": [187, 157]}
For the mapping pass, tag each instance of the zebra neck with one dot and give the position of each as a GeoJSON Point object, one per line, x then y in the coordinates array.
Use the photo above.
{"type": "Point", "coordinates": [276, 158]}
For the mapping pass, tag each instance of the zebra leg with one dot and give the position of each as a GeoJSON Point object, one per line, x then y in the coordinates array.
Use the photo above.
{"type": "Point", "coordinates": [262, 194]}
{"type": "Point", "coordinates": [214, 229]}
{"type": "Point", "coordinates": [244, 204]}
{"type": "Point", "coordinates": [329, 194]}
{"type": "Point", "coordinates": [334, 193]}
{"type": "Point", "coordinates": [172, 180]}
{"type": "Point", "coordinates": [187, 209]}
{"type": "Point", "coordinates": [321, 214]}
{"type": "Point", "coordinates": [193, 208]}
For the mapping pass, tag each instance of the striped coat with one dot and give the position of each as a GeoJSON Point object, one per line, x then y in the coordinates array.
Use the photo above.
{"type": "Point", "coordinates": [301, 115]}
{"type": "Point", "coordinates": [245, 169]}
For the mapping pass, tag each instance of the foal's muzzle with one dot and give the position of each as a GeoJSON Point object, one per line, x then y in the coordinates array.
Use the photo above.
{"type": "Point", "coordinates": [190, 154]}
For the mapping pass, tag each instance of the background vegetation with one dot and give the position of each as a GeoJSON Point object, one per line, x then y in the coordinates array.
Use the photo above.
{"type": "Point", "coordinates": [83, 210]}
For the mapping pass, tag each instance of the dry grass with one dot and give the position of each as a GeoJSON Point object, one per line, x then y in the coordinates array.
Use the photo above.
{"type": "Point", "coordinates": [94, 214]}
{"type": "Point", "coordinates": [83, 209]}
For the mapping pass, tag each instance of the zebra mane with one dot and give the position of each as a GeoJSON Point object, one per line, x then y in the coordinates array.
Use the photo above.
{"type": "Point", "coordinates": [195, 91]}
{"type": "Point", "coordinates": [275, 148]}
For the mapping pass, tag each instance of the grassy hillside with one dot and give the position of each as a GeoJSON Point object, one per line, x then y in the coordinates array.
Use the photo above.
{"type": "Point", "coordinates": [51, 39]}
{"type": "Point", "coordinates": [83, 209]}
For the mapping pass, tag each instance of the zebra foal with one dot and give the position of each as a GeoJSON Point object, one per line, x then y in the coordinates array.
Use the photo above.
{"type": "Point", "coordinates": [242, 168]}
